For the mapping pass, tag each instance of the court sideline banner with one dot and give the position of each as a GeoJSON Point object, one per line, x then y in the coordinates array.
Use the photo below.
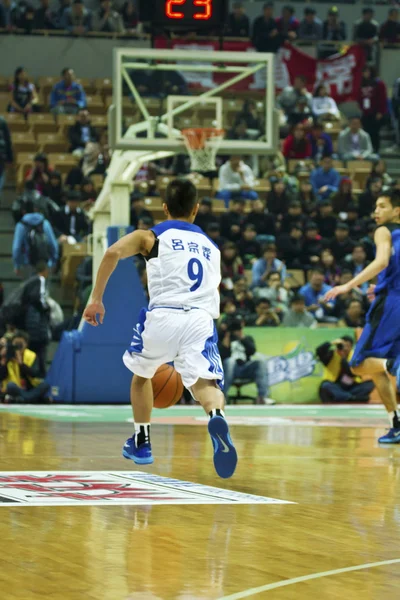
{"type": "Point", "coordinates": [341, 73]}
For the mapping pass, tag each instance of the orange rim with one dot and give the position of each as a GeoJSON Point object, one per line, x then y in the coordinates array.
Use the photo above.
{"type": "Point", "coordinates": [196, 137]}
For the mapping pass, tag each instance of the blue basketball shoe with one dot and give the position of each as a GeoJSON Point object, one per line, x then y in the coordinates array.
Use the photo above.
{"type": "Point", "coordinates": [391, 437]}
{"type": "Point", "coordinates": [225, 457]}
{"type": "Point", "coordinates": [141, 454]}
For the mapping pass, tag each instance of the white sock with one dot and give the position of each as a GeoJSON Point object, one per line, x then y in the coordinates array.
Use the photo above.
{"type": "Point", "coordinates": [385, 364]}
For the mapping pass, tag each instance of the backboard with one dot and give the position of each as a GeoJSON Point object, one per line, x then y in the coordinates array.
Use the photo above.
{"type": "Point", "coordinates": [201, 88]}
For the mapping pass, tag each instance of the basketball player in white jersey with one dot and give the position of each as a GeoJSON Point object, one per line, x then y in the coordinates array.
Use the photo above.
{"type": "Point", "coordinates": [183, 273]}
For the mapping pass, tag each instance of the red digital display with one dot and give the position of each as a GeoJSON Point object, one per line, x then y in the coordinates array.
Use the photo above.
{"type": "Point", "coordinates": [203, 9]}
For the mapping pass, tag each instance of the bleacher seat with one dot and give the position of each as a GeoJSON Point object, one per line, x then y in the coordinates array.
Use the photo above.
{"type": "Point", "coordinates": [42, 123]}
{"type": "Point", "coordinates": [16, 123]}
{"type": "Point", "coordinates": [52, 142]}
{"type": "Point", "coordinates": [88, 85]}
{"type": "Point", "coordinates": [24, 142]}
{"type": "Point", "coordinates": [4, 101]}
{"type": "Point", "coordinates": [99, 121]}
{"type": "Point", "coordinates": [4, 83]}
{"type": "Point", "coordinates": [295, 278]}
{"type": "Point", "coordinates": [46, 84]}
{"type": "Point", "coordinates": [95, 105]}
{"type": "Point", "coordinates": [103, 86]}
{"type": "Point", "coordinates": [62, 162]}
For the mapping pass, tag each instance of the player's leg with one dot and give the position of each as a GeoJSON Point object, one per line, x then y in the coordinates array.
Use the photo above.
{"type": "Point", "coordinates": [210, 396]}
{"type": "Point", "coordinates": [376, 369]}
{"type": "Point", "coordinates": [138, 447]}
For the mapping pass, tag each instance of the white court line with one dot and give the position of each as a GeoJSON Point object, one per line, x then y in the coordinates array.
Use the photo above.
{"type": "Point", "coordinates": [278, 584]}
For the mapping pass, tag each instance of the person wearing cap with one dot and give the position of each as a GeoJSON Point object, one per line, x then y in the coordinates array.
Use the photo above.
{"type": "Point", "coordinates": [366, 31]}
{"type": "Point", "coordinates": [238, 22]}
{"type": "Point", "coordinates": [67, 96]}
{"type": "Point", "coordinates": [389, 32]}
{"type": "Point", "coordinates": [71, 221]}
{"type": "Point", "coordinates": [311, 26]}
{"type": "Point", "coordinates": [354, 143]}
{"type": "Point", "coordinates": [77, 19]}
{"type": "Point", "coordinates": [341, 244]}
{"type": "Point", "coordinates": [265, 36]}
{"type": "Point", "coordinates": [333, 29]}
{"type": "Point", "coordinates": [325, 179]}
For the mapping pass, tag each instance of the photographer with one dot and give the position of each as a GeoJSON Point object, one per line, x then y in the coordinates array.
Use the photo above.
{"type": "Point", "coordinates": [237, 351]}
{"type": "Point", "coordinates": [19, 371]}
{"type": "Point", "coordinates": [339, 383]}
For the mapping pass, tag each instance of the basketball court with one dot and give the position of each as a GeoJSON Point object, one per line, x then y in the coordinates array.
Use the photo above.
{"type": "Point", "coordinates": [311, 512]}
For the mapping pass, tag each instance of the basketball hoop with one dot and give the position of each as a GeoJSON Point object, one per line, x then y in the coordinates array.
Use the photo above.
{"type": "Point", "coordinates": [202, 145]}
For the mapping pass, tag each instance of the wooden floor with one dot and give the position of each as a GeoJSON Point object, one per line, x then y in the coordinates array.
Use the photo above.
{"type": "Point", "coordinates": [347, 513]}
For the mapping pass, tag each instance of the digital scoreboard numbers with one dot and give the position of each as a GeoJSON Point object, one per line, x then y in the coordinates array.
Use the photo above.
{"type": "Point", "coordinates": [189, 15]}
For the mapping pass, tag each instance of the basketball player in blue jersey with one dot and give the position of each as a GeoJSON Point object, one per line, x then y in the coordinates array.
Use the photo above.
{"type": "Point", "coordinates": [377, 352]}
{"type": "Point", "coordinates": [183, 272]}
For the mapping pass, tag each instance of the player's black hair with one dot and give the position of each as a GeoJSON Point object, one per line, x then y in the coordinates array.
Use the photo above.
{"type": "Point", "coordinates": [181, 197]}
{"type": "Point", "coordinates": [348, 338]}
{"type": "Point", "coordinates": [394, 197]}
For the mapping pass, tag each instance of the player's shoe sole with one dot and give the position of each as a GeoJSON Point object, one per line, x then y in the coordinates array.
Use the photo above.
{"type": "Point", "coordinates": [140, 455]}
{"type": "Point", "coordinates": [391, 437]}
{"type": "Point", "coordinates": [225, 456]}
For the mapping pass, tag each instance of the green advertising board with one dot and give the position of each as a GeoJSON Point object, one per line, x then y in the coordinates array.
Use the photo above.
{"type": "Point", "coordinates": [294, 373]}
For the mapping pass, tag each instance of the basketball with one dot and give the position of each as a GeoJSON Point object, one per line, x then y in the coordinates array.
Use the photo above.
{"type": "Point", "coordinates": [167, 387]}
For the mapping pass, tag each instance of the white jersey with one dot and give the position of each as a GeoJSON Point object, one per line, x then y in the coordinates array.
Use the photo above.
{"type": "Point", "coordinates": [184, 268]}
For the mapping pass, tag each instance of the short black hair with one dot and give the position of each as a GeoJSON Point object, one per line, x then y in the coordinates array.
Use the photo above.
{"type": "Point", "coordinates": [394, 197]}
{"type": "Point", "coordinates": [181, 197]}
{"type": "Point", "coordinates": [41, 266]}
{"type": "Point", "coordinates": [317, 270]}
{"type": "Point", "coordinates": [21, 334]}
{"type": "Point", "coordinates": [297, 298]}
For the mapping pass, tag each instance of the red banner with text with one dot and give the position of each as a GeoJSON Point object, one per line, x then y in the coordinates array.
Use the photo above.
{"type": "Point", "coordinates": [341, 73]}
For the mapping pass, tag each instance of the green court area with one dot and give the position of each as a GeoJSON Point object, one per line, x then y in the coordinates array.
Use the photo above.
{"type": "Point", "coordinates": [245, 414]}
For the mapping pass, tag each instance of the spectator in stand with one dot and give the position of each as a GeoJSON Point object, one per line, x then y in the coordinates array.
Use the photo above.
{"type": "Point", "coordinates": [287, 23]}
{"type": "Point", "coordinates": [354, 315]}
{"type": "Point", "coordinates": [294, 216]}
{"type": "Point", "coordinates": [354, 143]}
{"type": "Point", "coordinates": [59, 14]}
{"type": "Point", "coordinates": [265, 34]}
{"type": "Point", "coordinates": [289, 97]}
{"type": "Point", "coordinates": [265, 265]}
{"type": "Point", "coordinates": [389, 32]}
{"type": "Point", "coordinates": [301, 114]}
{"type": "Point", "coordinates": [233, 221]}
{"type": "Point", "coordinates": [19, 371]}
{"type": "Point", "coordinates": [71, 221]}
{"type": "Point", "coordinates": [357, 263]}
{"type": "Point", "coordinates": [44, 18]}
{"type": "Point", "coordinates": [130, 17]}
{"type": "Point", "coordinates": [238, 132]}
{"type": "Point", "coordinates": [342, 302]}
{"type": "Point", "coordinates": [323, 105]}
{"type": "Point", "coordinates": [278, 198]}
{"type": "Point", "coordinates": [88, 193]}
{"type": "Point", "coordinates": [238, 22]}
{"type": "Point", "coordinates": [311, 26]}
{"type": "Point", "coordinates": [367, 200]}
{"type": "Point", "coordinates": [291, 247]}
{"type": "Point", "coordinates": [297, 145]}
{"type": "Point", "coordinates": [34, 240]}
{"type": "Point", "coordinates": [8, 15]}
{"type": "Point", "coordinates": [396, 113]}
{"type": "Point", "coordinates": [67, 96]}
{"type": "Point", "coordinates": [6, 151]}
{"type": "Point", "coordinates": [297, 315]}
{"type": "Point", "coordinates": [24, 98]}
{"type": "Point", "coordinates": [81, 133]}
{"type": "Point", "coordinates": [250, 116]}
{"type": "Point", "coordinates": [368, 241]}
{"type": "Point", "coordinates": [343, 197]}
{"type": "Point", "coordinates": [242, 297]}
{"type": "Point", "coordinates": [205, 215]}
{"type": "Point", "coordinates": [263, 222]}
{"type": "Point", "coordinates": [107, 20]}
{"type": "Point", "coordinates": [249, 248]}
{"type": "Point", "coordinates": [341, 244]}
{"type": "Point", "coordinates": [213, 231]}
{"type": "Point", "coordinates": [366, 31]}
{"type": "Point", "coordinates": [312, 246]}
{"type": "Point", "coordinates": [275, 293]}
{"type": "Point", "coordinates": [77, 19]}
{"type": "Point", "coordinates": [236, 180]}
{"type": "Point", "coordinates": [54, 188]}
{"type": "Point", "coordinates": [92, 163]}
{"type": "Point", "coordinates": [372, 98]}
{"type": "Point", "coordinates": [326, 220]}
{"type": "Point", "coordinates": [314, 293]}
{"type": "Point", "coordinates": [231, 265]}
{"type": "Point", "coordinates": [40, 172]}
{"type": "Point", "coordinates": [307, 199]}
{"type": "Point", "coordinates": [378, 169]}
{"type": "Point", "coordinates": [265, 315]}
{"type": "Point", "coordinates": [321, 142]}
{"type": "Point", "coordinates": [357, 226]}
{"type": "Point", "coordinates": [330, 268]}
{"type": "Point", "coordinates": [334, 30]}
{"type": "Point", "coordinates": [325, 180]}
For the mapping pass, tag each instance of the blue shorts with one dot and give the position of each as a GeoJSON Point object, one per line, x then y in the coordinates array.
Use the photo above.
{"type": "Point", "coordinates": [381, 335]}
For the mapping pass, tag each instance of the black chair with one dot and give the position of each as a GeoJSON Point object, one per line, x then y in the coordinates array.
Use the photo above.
{"type": "Point", "coordinates": [238, 384]}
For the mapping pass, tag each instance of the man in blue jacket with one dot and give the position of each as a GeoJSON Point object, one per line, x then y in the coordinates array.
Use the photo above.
{"type": "Point", "coordinates": [67, 96]}
{"type": "Point", "coordinates": [325, 179]}
{"type": "Point", "coordinates": [34, 241]}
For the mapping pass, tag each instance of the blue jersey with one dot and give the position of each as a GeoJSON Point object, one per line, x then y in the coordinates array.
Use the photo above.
{"type": "Point", "coordinates": [389, 279]}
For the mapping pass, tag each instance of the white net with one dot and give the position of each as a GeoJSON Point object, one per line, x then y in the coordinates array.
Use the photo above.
{"type": "Point", "coordinates": [202, 145]}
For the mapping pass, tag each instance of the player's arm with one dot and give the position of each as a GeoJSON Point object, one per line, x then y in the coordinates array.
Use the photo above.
{"type": "Point", "coordinates": [383, 242]}
{"type": "Point", "coordinates": [138, 242]}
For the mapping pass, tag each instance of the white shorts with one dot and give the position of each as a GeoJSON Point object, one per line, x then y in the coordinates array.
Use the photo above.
{"type": "Point", "coordinates": [187, 338]}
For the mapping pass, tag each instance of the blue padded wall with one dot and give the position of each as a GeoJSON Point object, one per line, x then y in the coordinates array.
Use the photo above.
{"type": "Point", "coordinates": [88, 367]}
